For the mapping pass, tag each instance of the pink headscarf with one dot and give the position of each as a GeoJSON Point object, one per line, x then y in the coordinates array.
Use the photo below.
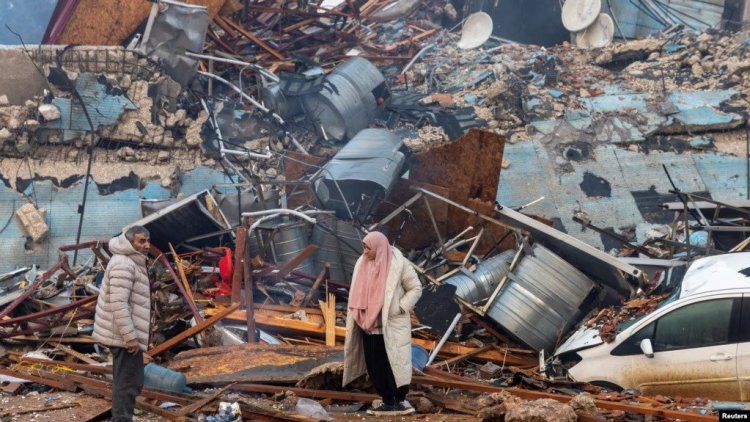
{"type": "Point", "coordinates": [368, 292]}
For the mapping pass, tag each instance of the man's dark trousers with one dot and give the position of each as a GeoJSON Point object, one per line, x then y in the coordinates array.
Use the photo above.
{"type": "Point", "coordinates": [127, 373]}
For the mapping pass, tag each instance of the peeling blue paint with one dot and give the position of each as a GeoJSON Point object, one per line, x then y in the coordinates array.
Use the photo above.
{"type": "Point", "coordinates": [105, 215]}
{"type": "Point", "coordinates": [537, 170]}
{"type": "Point", "coordinates": [104, 109]}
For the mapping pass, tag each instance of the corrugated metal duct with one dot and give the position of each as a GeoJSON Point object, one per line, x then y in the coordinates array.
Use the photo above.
{"type": "Point", "coordinates": [284, 239]}
{"type": "Point", "coordinates": [339, 244]}
{"type": "Point", "coordinates": [365, 170]}
{"type": "Point", "coordinates": [541, 299]}
{"type": "Point", "coordinates": [478, 285]}
{"type": "Point", "coordinates": [346, 104]}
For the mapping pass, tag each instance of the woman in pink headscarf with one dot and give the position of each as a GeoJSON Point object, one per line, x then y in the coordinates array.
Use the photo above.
{"type": "Point", "coordinates": [383, 291]}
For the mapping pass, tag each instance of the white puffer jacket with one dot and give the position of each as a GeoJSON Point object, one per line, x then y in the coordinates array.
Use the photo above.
{"type": "Point", "coordinates": [123, 310]}
{"type": "Point", "coordinates": [402, 291]}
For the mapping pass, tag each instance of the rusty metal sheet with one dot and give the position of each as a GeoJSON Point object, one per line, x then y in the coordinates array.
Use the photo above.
{"type": "Point", "coordinates": [253, 362]}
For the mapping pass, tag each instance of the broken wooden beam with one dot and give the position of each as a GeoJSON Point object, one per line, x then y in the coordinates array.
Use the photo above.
{"type": "Point", "coordinates": [294, 262]}
{"type": "Point", "coordinates": [306, 392]}
{"type": "Point", "coordinates": [192, 331]}
{"type": "Point", "coordinates": [96, 369]}
{"type": "Point", "coordinates": [59, 384]}
{"type": "Point", "coordinates": [495, 355]}
{"type": "Point", "coordinates": [472, 385]}
{"type": "Point", "coordinates": [198, 405]}
{"type": "Point", "coordinates": [252, 37]}
{"type": "Point", "coordinates": [249, 305]}
{"type": "Point", "coordinates": [464, 356]}
{"type": "Point", "coordinates": [80, 356]}
{"type": "Point", "coordinates": [163, 258]}
{"type": "Point", "coordinates": [238, 269]}
{"type": "Point", "coordinates": [322, 276]}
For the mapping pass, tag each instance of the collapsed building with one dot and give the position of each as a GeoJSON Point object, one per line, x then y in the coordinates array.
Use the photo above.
{"type": "Point", "coordinates": [527, 186]}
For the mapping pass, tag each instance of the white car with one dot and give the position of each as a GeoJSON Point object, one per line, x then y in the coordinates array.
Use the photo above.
{"type": "Point", "coordinates": [696, 343]}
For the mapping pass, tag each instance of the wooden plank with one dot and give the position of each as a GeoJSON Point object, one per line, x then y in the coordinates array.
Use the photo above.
{"type": "Point", "coordinates": [74, 353]}
{"type": "Point", "coordinates": [59, 384]}
{"type": "Point", "coordinates": [189, 292]}
{"type": "Point", "coordinates": [465, 356]}
{"type": "Point", "coordinates": [472, 385]}
{"type": "Point", "coordinates": [497, 356]}
{"type": "Point", "coordinates": [192, 331]}
{"type": "Point", "coordinates": [97, 369]}
{"type": "Point", "coordinates": [305, 392]}
{"type": "Point", "coordinates": [286, 309]}
{"type": "Point", "coordinates": [294, 262]}
{"type": "Point", "coordinates": [48, 408]}
{"type": "Point", "coordinates": [323, 275]}
{"type": "Point", "coordinates": [239, 256]}
{"type": "Point", "coordinates": [273, 322]}
{"type": "Point", "coordinates": [482, 323]}
{"type": "Point", "coordinates": [249, 305]}
{"type": "Point", "coordinates": [142, 404]}
{"type": "Point", "coordinates": [198, 405]}
{"type": "Point", "coordinates": [262, 44]}
{"type": "Point", "coordinates": [181, 272]}
{"type": "Point", "coordinates": [329, 315]}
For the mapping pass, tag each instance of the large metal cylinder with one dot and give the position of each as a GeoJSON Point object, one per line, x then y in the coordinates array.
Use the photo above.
{"type": "Point", "coordinates": [287, 240]}
{"type": "Point", "coordinates": [351, 246]}
{"type": "Point", "coordinates": [332, 247]}
{"type": "Point", "coordinates": [542, 299]}
{"type": "Point", "coordinates": [362, 74]}
{"type": "Point", "coordinates": [346, 104]}
{"type": "Point", "coordinates": [478, 285]}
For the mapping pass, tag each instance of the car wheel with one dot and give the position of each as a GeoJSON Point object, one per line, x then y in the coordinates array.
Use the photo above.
{"type": "Point", "coordinates": [608, 385]}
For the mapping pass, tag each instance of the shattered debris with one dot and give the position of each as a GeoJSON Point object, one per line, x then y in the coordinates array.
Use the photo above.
{"type": "Point", "coordinates": [548, 197]}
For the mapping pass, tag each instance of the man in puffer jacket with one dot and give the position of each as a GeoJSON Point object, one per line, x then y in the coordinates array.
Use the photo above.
{"type": "Point", "coordinates": [123, 314]}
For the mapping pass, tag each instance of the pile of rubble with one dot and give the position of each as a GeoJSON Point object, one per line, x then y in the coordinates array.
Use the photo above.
{"type": "Point", "coordinates": [308, 145]}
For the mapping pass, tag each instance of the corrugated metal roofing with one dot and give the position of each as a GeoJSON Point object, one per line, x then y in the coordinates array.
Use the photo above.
{"type": "Point", "coordinates": [637, 182]}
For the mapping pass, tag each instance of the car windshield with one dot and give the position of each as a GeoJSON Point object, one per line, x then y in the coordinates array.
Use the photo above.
{"type": "Point", "coordinates": [671, 298]}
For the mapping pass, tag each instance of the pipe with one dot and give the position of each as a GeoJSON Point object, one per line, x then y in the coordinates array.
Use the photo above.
{"type": "Point", "coordinates": [447, 334]}
{"type": "Point", "coordinates": [245, 96]}
{"type": "Point", "coordinates": [270, 214]}
{"type": "Point", "coordinates": [266, 156]}
{"type": "Point", "coordinates": [416, 57]}
{"type": "Point", "coordinates": [260, 70]}
{"type": "Point", "coordinates": [260, 106]}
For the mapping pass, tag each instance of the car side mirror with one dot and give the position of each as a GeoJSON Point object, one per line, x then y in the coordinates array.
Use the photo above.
{"type": "Point", "coordinates": [647, 348]}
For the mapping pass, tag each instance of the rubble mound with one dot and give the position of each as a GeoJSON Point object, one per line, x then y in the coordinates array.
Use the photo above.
{"type": "Point", "coordinates": [327, 376]}
{"type": "Point", "coordinates": [495, 405]}
{"type": "Point", "coordinates": [542, 410]}
{"type": "Point", "coordinates": [584, 403]}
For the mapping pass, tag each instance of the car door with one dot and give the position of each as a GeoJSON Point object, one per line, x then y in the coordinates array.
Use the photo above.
{"type": "Point", "coordinates": [695, 351]}
{"type": "Point", "coordinates": [743, 349]}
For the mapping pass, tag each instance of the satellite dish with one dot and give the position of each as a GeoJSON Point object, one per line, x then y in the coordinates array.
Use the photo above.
{"type": "Point", "coordinates": [580, 14]}
{"type": "Point", "coordinates": [476, 31]}
{"type": "Point", "coordinates": [599, 34]}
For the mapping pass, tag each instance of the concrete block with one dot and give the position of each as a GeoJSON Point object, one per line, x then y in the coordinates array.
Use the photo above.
{"type": "Point", "coordinates": [49, 112]}
{"type": "Point", "coordinates": [32, 221]}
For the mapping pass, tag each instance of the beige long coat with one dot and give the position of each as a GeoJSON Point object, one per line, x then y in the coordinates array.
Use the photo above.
{"type": "Point", "coordinates": [123, 310]}
{"type": "Point", "coordinates": [402, 291]}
